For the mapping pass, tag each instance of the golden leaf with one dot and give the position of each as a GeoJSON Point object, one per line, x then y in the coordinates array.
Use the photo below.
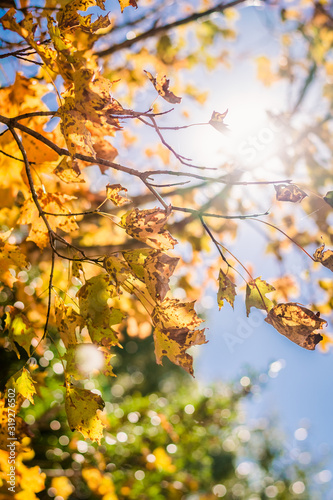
{"type": "Point", "coordinates": [23, 384]}
{"type": "Point", "coordinates": [174, 333]}
{"type": "Point", "coordinates": [112, 193]}
{"type": "Point", "coordinates": [127, 3]}
{"type": "Point", "coordinates": [297, 323]}
{"type": "Point", "coordinates": [82, 407]}
{"type": "Point", "coordinates": [148, 226]}
{"type": "Point", "coordinates": [255, 295]}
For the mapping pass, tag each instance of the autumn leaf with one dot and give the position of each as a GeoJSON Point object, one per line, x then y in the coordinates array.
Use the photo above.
{"type": "Point", "coordinates": [50, 202]}
{"type": "Point", "coordinates": [11, 257]}
{"type": "Point", "coordinates": [326, 258]}
{"type": "Point", "coordinates": [289, 192]}
{"type": "Point", "coordinates": [82, 407]}
{"type": "Point", "coordinates": [154, 268]}
{"type": "Point", "coordinates": [99, 318]}
{"type": "Point", "coordinates": [23, 384]}
{"type": "Point", "coordinates": [297, 323]}
{"type": "Point", "coordinates": [227, 290]}
{"type": "Point", "coordinates": [67, 320]}
{"type": "Point", "coordinates": [68, 171]}
{"type": "Point", "coordinates": [127, 3]}
{"type": "Point", "coordinates": [255, 295]}
{"type": "Point", "coordinates": [62, 486]}
{"type": "Point", "coordinates": [18, 329]}
{"type": "Point", "coordinates": [264, 71]}
{"type": "Point", "coordinates": [217, 121]}
{"type": "Point", "coordinates": [162, 87]}
{"type": "Point", "coordinates": [112, 193]}
{"type": "Point", "coordinates": [174, 333]}
{"type": "Point", "coordinates": [148, 226]}
{"type": "Point", "coordinates": [329, 198]}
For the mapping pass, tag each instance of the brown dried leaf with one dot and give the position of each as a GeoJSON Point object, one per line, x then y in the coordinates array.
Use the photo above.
{"type": "Point", "coordinates": [326, 258]}
{"type": "Point", "coordinates": [289, 192]}
{"type": "Point", "coordinates": [227, 290]}
{"type": "Point", "coordinates": [297, 323]}
{"type": "Point", "coordinates": [162, 88]}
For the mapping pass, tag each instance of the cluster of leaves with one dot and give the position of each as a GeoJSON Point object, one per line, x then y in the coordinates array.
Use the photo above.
{"type": "Point", "coordinates": [165, 438]}
{"type": "Point", "coordinates": [47, 201]}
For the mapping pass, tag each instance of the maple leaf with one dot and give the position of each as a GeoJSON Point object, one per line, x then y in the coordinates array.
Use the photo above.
{"type": "Point", "coordinates": [78, 357]}
{"type": "Point", "coordinates": [75, 132]}
{"type": "Point", "coordinates": [112, 193]}
{"type": "Point", "coordinates": [127, 3]}
{"type": "Point", "coordinates": [69, 17]}
{"type": "Point", "coordinates": [174, 333]}
{"type": "Point", "coordinates": [227, 290]}
{"type": "Point", "coordinates": [162, 88]}
{"type": "Point", "coordinates": [11, 256]}
{"type": "Point", "coordinates": [68, 171]}
{"type": "Point", "coordinates": [154, 268]}
{"type": "Point", "coordinates": [50, 202]}
{"type": "Point", "coordinates": [297, 323]}
{"type": "Point", "coordinates": [255, 295]}
{"type": "Point", "coordinates": [23, 384]}
{"type": "Point", "coordinates": [289, 192]}
{"type": "Point", "coordinates": [326, 258]}
{"type": "Point", "coordinates": [19, 330]}
{"type": "Point", "coordinates": [148, 226]}
{"type": "Point", "coordinates": [21, 428]}
{"type": "Point", "coordinates": [217, 122]}
{"type": "Point", "coordinates": [67, 320]}
{"type": "Point", "coordinates": [98, 316]}
{"type": "Point", "coordinates": [82, 408]}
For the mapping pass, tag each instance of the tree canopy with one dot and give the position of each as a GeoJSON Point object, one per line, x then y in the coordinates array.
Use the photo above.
{"type": "Point", "coordinates": [107, 226]}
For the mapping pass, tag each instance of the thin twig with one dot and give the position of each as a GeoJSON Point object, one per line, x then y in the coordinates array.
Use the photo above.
{"type": "Point", "coordinates": [49, 295]}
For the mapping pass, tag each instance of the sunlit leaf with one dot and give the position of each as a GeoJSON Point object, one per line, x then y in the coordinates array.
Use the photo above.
{"type": "Point", "coordinates": [297, 323]}
{"type": "Point", "coordinates": [148, 226]}
{"type": "Point", "coordinates": [112, 193]}
{"type": "Point", "coordinates": [23, 384]}
{"type": "Point", "coordinates": [255, 295]}
{"type": "Point", "coordinates": [217, 121]}
{"type": "Point", "coordinates": [82, 407]}
{"type": "Point", "coordinates": [18, 329]}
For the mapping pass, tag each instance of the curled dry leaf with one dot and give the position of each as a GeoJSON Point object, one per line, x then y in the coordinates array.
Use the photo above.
{"type": "Point", "coordinates": [162, 88]}
{"type": "Point", "coordinates": [217, 121]}
{"type": "Point", "coordinates": [227, 290]}
{"type": "Point", "coordinates": [112, 193]}
{"type": "Point", "coordinates": [297, 323]}
{"type": "Point", "coordinates": [326, 258]}
{"type": "Point", "coordinates": [289, 192]}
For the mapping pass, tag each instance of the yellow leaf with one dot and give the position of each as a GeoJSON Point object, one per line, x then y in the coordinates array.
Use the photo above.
{"type": "Point", "coordinates": [50, 202]}
{"type": "Point", "coordinates": [226, 290]}
{"type": "Point", "coordinates": [174, 333]}
{"type": "Point", "coordinates": [23, 384]}
{"type": "Point", "coordinates": [98, 316]}
{"type": "Point", "coordinates": [67, 320]}
{"type": "Point", "coordinates": [68, 171]}
{"type": "Point", "coordinates": [62, 486]}
{"type": "Point", "coordinates": [112, 193]}
{"type": "Point", "coordinates": [148, 226]}
{"type": "Point", "coordinates": [127, 3]}
{"type": "Point", "coordinates": [82, 407]}
{"type": "Point", "coordinates": [255, 295]}
{"type": "Point", "coordinates": [297, 323]}
{"type": "Point", "coordinates": [163, 461]}
{"type": "Point", "coordinates": [100, 484]}
{"type": "Point", "coordinates": [19, 330]}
